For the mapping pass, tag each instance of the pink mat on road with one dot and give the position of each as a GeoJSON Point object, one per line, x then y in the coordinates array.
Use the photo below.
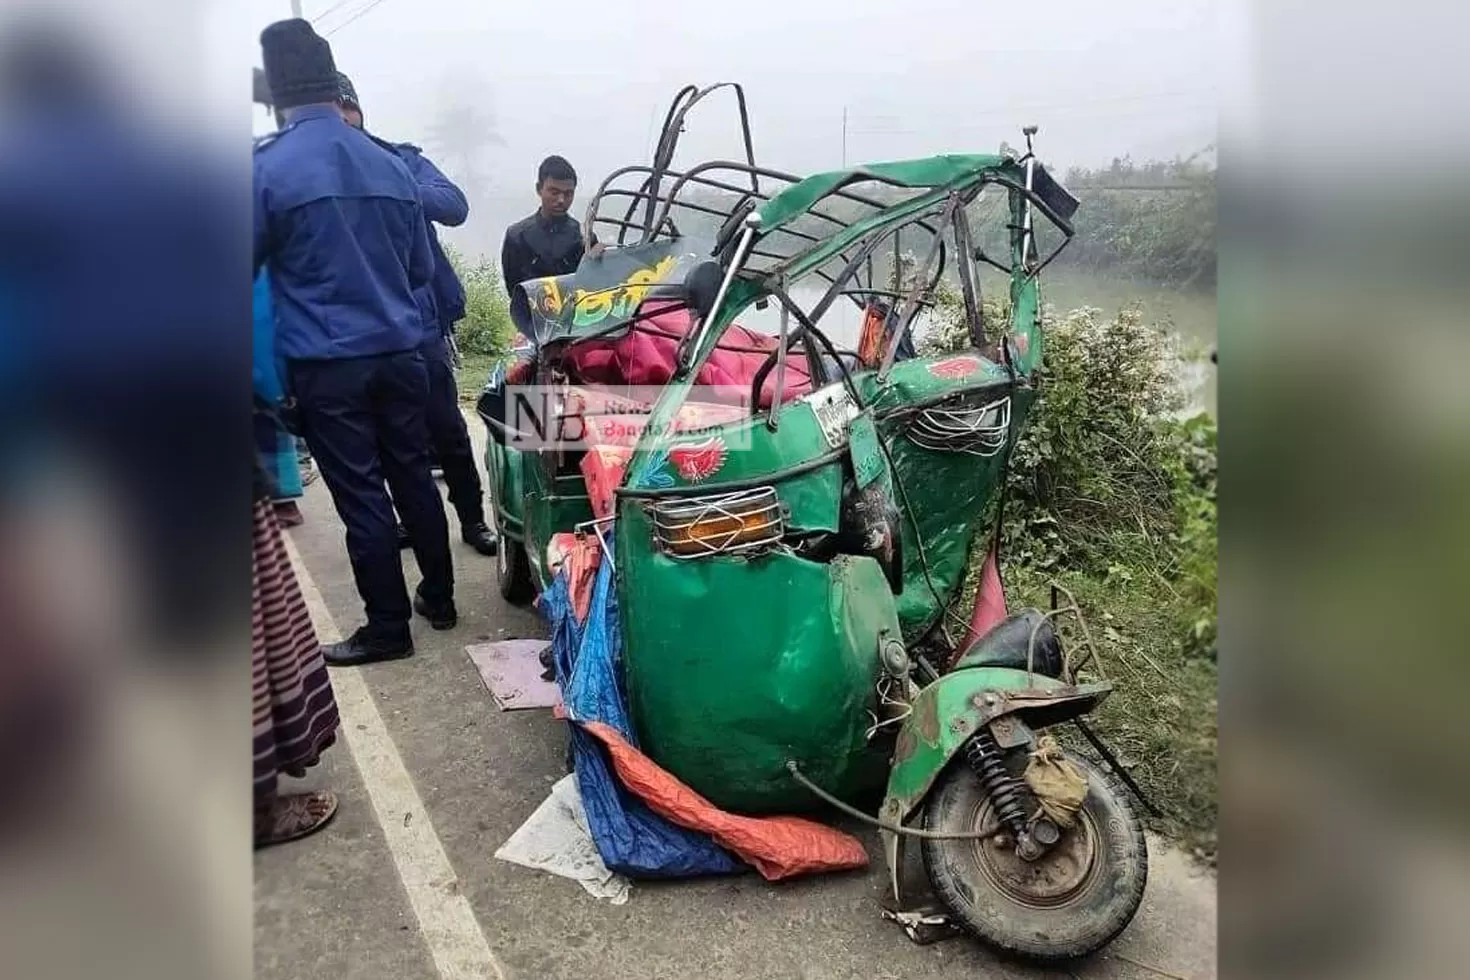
{"type": "Point", "coordinates": [511, 670]}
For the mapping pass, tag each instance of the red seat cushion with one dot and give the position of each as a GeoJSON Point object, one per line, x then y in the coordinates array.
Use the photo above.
{"type": "Point", "coordinates": [646, 355]}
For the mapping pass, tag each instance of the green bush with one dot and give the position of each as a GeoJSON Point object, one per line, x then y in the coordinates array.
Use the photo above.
{"type": "Point", "coordinates": [1096, 461]}
{"type": "Point", "coordinates": [486, 328]}
{"type": "Point", "coordinates": [1109, 480]}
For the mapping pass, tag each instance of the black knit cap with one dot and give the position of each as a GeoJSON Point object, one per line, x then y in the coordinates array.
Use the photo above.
{"type": "Point", "coordinates": [298, 64]}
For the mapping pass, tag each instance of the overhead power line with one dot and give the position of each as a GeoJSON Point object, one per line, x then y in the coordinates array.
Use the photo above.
{"type": "Point", "coordinates": [336, 6]}
{"type": "Point", "coordinates": [357, 15]}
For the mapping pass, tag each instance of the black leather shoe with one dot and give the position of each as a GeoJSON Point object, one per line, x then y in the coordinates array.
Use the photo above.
{"type": "Point", "coordinates": [441, 617]}
{"type": "Point", "coordinates": [360, 649]}
{"type": "Point", "coordinates": [404, 541]}
{"type": "Point", "coordinates": [481, 538]}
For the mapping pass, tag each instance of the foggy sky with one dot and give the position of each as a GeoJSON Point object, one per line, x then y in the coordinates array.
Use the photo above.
{"type": "Point", "coordinates": [590, 78]}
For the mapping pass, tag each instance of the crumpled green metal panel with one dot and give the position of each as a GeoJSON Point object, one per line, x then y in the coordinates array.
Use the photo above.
{"type": "Point", "coordinates": [734, 666]}
{"type": "Point", "coordinates": [935, 171]}
{"type": "Point", "coordinates": [942, 497]}
{"type": "Point", "coordinates": [929, 379]}
{"type": "Point", "coordinates": [709, 461]}
{"type": "Point", "coordinates": [503, 472]}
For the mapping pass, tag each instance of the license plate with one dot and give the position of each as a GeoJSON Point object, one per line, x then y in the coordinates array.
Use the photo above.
{"type": "Point", "coordinates": [834, 410]}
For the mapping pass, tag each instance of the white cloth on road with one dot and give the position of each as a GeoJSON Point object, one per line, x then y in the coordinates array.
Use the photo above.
{"type": "Point", "coordinates": [556, 838]}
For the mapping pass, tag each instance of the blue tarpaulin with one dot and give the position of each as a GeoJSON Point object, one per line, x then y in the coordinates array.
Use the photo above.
{"type": "Point", "coordinates": [632, 839]}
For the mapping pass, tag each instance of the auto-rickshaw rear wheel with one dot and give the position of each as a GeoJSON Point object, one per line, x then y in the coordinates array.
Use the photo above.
{"type": "Point", "coordinates": [513, 566]}
{"type": "Point", "coordinates": [1070, 902]}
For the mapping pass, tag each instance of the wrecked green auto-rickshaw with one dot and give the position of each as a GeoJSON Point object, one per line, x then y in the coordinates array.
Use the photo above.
{"type": "Point", "coordinates": [791, 517]}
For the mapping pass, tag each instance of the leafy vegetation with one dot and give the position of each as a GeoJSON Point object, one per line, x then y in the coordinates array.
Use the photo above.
{"type": "Point", "coordinates": [1112, 494]}
{"type": "Point", "coordinates": [1153, 221]}
{"type": "Point", "coordinates": [486, 328]}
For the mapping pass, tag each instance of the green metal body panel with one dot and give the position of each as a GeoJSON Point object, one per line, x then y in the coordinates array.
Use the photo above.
{"type": "Point", "coordinates": [1023, 339]}
{"type": "Point", "coordinates": [868, 462]}
{"type": "Point", "coordinates": [942, 497]}
{"type": "Point", "coordinates": [503, 473]}
{"type": "Point", "coordinates": [915, 382]}
{"type": "Point", "coordinates": [553, 504]}
{"type": "Point", "coordinates": [746, 451]}
{"type": "Point", "coordinates": [531, 505]}
{"type": "Point", "coordinates": [935, 171]}
{"type": "Point", "coordinates": [949, 711]}
{"type": "Point", "coordinates": [734, 666]}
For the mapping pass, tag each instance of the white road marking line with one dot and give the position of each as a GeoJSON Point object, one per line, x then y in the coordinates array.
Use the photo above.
{"type": "Point", "coordinates": [445, 918]}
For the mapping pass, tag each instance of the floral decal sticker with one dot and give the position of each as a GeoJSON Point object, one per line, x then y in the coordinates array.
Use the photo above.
{"type": "Point", "coordinates": [699, 461]}
{"type": "Point", "coordinates": [655, 474]}
{"type": "Point", "coordinates": [955, 368]}
{"type": "Point", "coordinates": [695, 462]}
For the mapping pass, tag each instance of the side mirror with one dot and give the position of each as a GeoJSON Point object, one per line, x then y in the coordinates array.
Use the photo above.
{"type": "Point", "coordinates": [701, 287]}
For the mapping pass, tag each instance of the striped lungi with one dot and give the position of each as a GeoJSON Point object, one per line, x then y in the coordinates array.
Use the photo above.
{"type": "Point", "coordinates": [294, 713]}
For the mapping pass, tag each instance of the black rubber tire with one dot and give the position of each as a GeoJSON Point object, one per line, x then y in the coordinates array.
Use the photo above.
{"type": "Point", "coordinates": [516, 586]}
{"type": "Point", "coordinates": [1088, 920]}
{"type": "Point", "coordinates": [512, 566]}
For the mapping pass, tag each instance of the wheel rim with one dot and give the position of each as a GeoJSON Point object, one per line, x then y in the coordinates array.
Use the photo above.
{"type": "Point", "coordinates": [1053, 881]}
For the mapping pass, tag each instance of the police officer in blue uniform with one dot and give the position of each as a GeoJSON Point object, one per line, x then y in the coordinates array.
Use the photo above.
{"type": "Point", "coordinates": [339, 224]}
{"type": "Point", "coordinates": [442, 303]}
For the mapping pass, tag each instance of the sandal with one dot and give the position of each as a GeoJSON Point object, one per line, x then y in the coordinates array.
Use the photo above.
{"type": "Point", "coordinates": [289, 514]}
{"type": "Point", "coordinates": [294, 816]}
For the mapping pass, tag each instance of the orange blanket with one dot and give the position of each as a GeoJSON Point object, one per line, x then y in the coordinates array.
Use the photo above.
{"type": "Point", "coordinates": [777, 847]}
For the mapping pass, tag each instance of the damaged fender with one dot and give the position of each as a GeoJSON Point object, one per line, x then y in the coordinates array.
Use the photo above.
{"type": "Point", "coordinates": [947, 712]}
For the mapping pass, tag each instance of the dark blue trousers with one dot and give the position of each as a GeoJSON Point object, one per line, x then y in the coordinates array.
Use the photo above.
{"type": "Point", "coordinates": [450, 438]}
{"type": "Point", "coordinates": [366, 422]}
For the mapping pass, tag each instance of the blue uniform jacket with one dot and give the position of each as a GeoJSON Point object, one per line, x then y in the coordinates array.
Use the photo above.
{"type": "Point", "coordinates": [339, 225]}
{"type": "Point", "coordinates": [445, 204]}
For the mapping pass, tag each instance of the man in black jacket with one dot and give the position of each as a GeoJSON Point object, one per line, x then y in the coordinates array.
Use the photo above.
{"type": "Point", "coordinates": [548, 243]}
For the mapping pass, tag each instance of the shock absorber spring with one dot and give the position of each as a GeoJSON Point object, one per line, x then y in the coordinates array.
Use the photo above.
{"type": "Point", "coordinates": [985, 759]}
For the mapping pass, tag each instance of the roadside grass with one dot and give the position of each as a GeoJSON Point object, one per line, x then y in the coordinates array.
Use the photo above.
{"type": "Point", "coordinates": [1161, 720]}
{"type": "Point", "coordinates": [470, 376]}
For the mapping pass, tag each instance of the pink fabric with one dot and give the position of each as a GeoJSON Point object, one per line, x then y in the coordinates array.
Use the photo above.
{"type": "Point", "coordinates": [580, 554]}
{"type": "Point", "coordinates": [645, 355]}
{"type": "Point", "coordinates": [990, 602]}
{"type": "Point", "coordinates": [602, 470]}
